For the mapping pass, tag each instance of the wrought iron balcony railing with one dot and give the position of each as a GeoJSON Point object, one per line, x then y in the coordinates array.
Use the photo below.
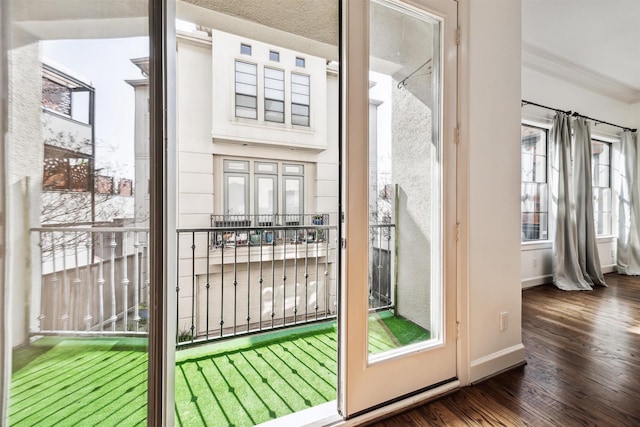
{"type": "Point", "coordinates": [236, 278]}
{"type": "Point", "coordinates": [232, 279]}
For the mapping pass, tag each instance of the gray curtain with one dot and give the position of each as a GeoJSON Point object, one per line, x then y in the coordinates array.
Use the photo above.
{"type": "Point", "coordinates": [628, 207]}
{"type": "Point", "coordinates": [576, 263]}
{"type": "Point", "coordinates": [588, 256]}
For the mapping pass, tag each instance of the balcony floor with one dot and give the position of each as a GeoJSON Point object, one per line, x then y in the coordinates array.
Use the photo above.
{"type": "Point", "coordinates": [241, 381]}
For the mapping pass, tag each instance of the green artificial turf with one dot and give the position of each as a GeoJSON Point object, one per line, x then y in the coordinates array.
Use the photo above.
{"type": "Point", "coordinates": [251, 380]}
{"type": "Point", "coordinates": [79, 381]}
{"type": "Point", "coordinates": [237, 382]}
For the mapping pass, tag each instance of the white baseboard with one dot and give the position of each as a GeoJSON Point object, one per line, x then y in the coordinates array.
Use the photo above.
{"type": "Point", "coordinates": [536, 281]}
{"type": "Point", "coordinates": [530, 282]}
{"type": "Point", "coordinates": [497, 362]}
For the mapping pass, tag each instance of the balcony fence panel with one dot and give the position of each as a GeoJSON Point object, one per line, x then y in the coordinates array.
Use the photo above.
{"type": "Point", "coordinates": [94, 281]}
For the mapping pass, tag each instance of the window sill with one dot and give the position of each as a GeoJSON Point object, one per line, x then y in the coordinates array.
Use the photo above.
{"type": "Point", "coordinates": [537, 245]}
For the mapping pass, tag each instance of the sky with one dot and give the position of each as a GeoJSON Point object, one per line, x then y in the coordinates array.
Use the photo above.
{"type": "Point", "coordinates": [106, 64]}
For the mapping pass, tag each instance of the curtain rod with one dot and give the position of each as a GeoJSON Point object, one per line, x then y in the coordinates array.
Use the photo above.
{"type": "Point", "coordinates": [576, 114]}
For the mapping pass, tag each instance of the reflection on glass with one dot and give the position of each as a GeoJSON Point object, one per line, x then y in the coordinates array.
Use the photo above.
{"type": "Point", "coordinates": [79, 150]}
{"type": "Point", "coordinates": [293, 195]}
{"type": "Point", "coordinates": [405, 278]}
{"type": "Point", "coordinates": [266, 196]}
{"type": "Point", "coordinates": [237, 201]}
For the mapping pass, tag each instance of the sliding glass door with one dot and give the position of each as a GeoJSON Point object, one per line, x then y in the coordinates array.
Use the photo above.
{"type": "Point", "coordinates": [78, 286]}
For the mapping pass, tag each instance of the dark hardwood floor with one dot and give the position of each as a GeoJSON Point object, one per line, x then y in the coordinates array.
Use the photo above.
{"type": "Point", "coordinates": [583, 366]}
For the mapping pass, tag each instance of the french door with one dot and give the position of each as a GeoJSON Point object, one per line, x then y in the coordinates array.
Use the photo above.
{"type": "Point", "coordinates": [398, 324]}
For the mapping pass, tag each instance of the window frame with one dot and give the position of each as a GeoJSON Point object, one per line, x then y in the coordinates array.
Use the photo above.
{"type": "Point", "coordinates": [245, 49]}
{"type": "Point", "coordinates": [547, 212]}
{"type": "Point", "coordinates": [299, 104]}
{"type": "Point", "coordinates": [229, 172]}
{"type": "Point", "coordinates": [609, 145]}
{"type": "Point", "coordinates": [270, 99]}
{"type": "Point", "coordinates": [271, 175]}
{"type": "Point", "coordinates": [246, 95]}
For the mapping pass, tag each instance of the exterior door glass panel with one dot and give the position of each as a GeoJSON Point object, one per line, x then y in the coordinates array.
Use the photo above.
{"type": "Point", "coordinates": [400, 201]}
{"type": "Point", "coordinates": [405, 206]}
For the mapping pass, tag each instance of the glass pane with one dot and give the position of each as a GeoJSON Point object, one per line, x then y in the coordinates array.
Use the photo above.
{"type": "Point", "coordinates": [274, 94]}
{"type": "Point", "coordinates": [236, 192]}
{"type": "Point", "coordinates": [293, 169]}
{"type": "Point", "coordinates": [266, 187]}
{"type": "Point", "coordinates": [300, 99]}
{"type": "Point", "coordinates": [534, 140]}
{"type": "Point", "coordinates": [405, 273]}
{"type": "Point", "coordinates": [534, 226]}
{"type": "Point", "coordinates": [601, 152]}
{"type": "Point", "coordinates": [273, 116]}
{"type": "Point", "coordinates": [602, 200]}
{"type": "Point", "coordinates": [299, 79]}
{"type": "Point", "coordinates": [246, 101]}
{"type": "Point", "coordinates": [246, 89]}
{"type": "Point", "coordinates": [78, 150]}
{"type": "Point", "coordinates": [534, 198]}
{"type": "Point", "coordinates": [300, 110]}
{"type": "Point", "coordinates": [277, 106]}
{"type": "Point", "coordinates": [272, 73]}
{"type": "Point", "coordinates": [300, 89]}
{"type": "Point", "coordinates": [243, 67]}
{"type": "Point", "coordinates": [246, 78]}
{"type": "Point", "coordinates": [602, 223]}
{"type": "Point", "coordinates": [293, 196]}
{"type": "Point", "coordinates": [601, 175]}
{"type": "Point", "coordinates": [247, 113]}
{"type": "Point", "coordinates": [300, 120]}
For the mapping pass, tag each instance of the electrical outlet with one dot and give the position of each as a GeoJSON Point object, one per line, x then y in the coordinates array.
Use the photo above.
{"type": "Point", "coordinates": [504, 321]}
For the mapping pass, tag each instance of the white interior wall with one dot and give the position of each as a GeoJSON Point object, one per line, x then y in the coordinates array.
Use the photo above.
{"type": "Point", "coordinates": [490, 173]}
{"type": "Point", "coordinates": [536, 257]}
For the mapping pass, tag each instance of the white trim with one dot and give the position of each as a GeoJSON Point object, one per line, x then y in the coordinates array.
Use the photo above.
{"type": "Point", "coordinates": [550, 64]}
{"type": "Point", "coordinates": [401, 405]}
{"type": "Point", "coordinates": [326, 414]}
{"type": "Point", "coordinates": [537, 281]}
{"type": "Point", "coordinates": [536, 245]}
{"type": "Point", "coordinates": [499, 361]}
{"type": "Point", "coordinates": [321, 415]}
{"type": "Point", "coordinates": [531, 282]}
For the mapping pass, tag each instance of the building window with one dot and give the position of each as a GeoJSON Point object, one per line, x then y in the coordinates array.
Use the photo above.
{"type": "Point", "coordinates": [274, 56]}
{"type": "Point", "coordinates": [56, 97]}
{"type": "Point", "coordinates": [273, 95]}
{"type": "Point", "coordinates": [265, 189]}
{"type": "Point", "coordinates": [601, 177]}
{"type": "Point", "coordinates": [236, 186]}
{"type": "Point", "coordinates": [293, 189]}
{"type": "Point", "coordinates": [246, 90]}
{"type": "Point", "coordinates": [299, 99]}
{"type": "Point", "coordinates": [245, 49]}
{"type": "Point", "coordinates": [70, 174]}
{"type": "Point", "coordinates": [300, 62]}
{"type": "Point", "coordinates": [534, 204]}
